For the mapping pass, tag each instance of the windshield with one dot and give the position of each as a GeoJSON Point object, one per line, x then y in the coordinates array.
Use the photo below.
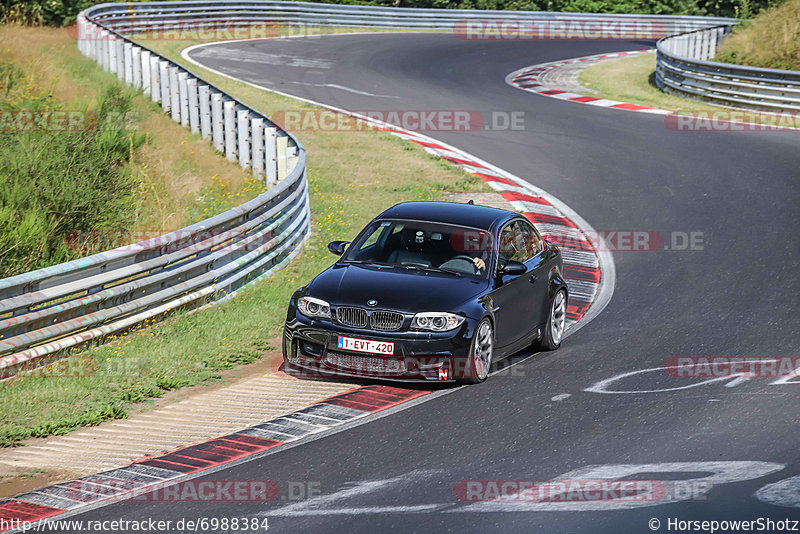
{"type": "Point", "coordinates": [424, 245]}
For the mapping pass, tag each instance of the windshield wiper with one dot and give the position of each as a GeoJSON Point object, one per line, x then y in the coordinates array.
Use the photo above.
{"type": "Point", "coordinates": [365, 262]}
{"type": "Point", "coordinates": [434, 269]}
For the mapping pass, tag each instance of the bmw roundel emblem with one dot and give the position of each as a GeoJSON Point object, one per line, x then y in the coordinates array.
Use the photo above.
{"type": "Point", "coordinates": [372, 302]}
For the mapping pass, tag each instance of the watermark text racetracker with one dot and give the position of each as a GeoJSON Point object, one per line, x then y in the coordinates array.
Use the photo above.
{"type": "Point", "coordinates": [554, 29]}
{"type": "Point", "coordinates": [62, 121]}
{"type": "Point", "coordinates": [418, 120]}
{"type": "Point", "coordinates": [209, 30]}
{"type": "Point", "coordinates": [578, 490]}
{"type": "Point", "coordinates": [727, 120]}
{"type": "Point", "coordinates": [185, 241]}
{"type": "Point", "coordinates": [192, 491]}
{"type": "Point", "coordinates": [732, 366]}
{"type": "Point", "coordinates": [620, 240]}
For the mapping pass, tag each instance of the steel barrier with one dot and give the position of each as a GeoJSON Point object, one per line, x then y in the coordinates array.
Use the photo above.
{"type": "Point", "coordinates": [683, 68]}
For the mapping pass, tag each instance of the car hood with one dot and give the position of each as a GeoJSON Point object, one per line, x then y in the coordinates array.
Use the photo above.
{"type": "Point", "coordinates": [394, 288]}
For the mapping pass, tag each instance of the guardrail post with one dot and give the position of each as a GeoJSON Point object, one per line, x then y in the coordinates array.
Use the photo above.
{"type": "Point", "coordinates": [95, 44]}
{"type": "Point", "coordinates": [217, 122]}
{"type": "Point", "coordinates": [712, 44]}
{"type": "Point", "coordinates": [243, 128]}
{"type": "Point", "coordinates": [127, 56]}
{"type": "Point", "coordinates": [281, 150]}
{"type": "Point", "coordinates": [120, 46]}
{"type": "Point", "coordinates": [257, 127]}
{"type": "Point", "coordinates": [291, 158]}
{"type": "Point", "coordinates": [85, 38]}
{"type": "Point", "coordinates": [145, 66]}
{"type": "Point", "coordinates": [163, 75]}
{"type": "Point", "coordinates": [703, 45]}
{"type": "Point", "coordinates": [112, 53]}
{"type": "Point", "coordinates": [98, 44]}
{"type": "Point", "coordinates": [271, 159]}
{"type": "Point", "coordinates": [194, 111]}
{"type": "Point", "coordinates": [229, 111]}
{"type": "Point", "coordinates": [136, 56]}
{"type": "Point", "coordinates": [174, 94]}
{"type": "Point", "coordinates": [81, 34]}
{"type": "Point", "coordinates": [87, 35]}
{"type": "Point", "coordinates": [155, 79]}
{"type": "Point", "coordinates": [204, 103]}
{"type": "Point", "coordinates": [103, 53]}
{"type": "Point", "coordinates": [183, 95]}
{"type": "Point", "coordinates": [698, 45]}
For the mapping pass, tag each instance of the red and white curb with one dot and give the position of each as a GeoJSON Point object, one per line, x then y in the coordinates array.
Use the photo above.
{"type": "Point", "coordinates": [530, 79]}
{"type": "Point", "coordinates": [126, 483]}
{"type": "Point", "coordinates": [589, 273]}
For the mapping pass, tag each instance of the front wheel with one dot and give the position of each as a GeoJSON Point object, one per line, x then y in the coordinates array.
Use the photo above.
{"type": "Point", "coordinates": [480, 354]}
{"type": "Point", "coordinates": [556, 322]}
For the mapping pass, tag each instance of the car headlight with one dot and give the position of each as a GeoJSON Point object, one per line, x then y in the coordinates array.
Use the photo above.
{"type": "Point", "coordinates": [311, 307]}
{"type": "Point", "coordinates": [436, 321]}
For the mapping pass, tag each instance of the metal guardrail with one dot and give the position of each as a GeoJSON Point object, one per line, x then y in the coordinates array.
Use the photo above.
{"type": "Point", "coordinates": [47, 311]}
{"type": "Point", "coordinates": [129, 16]}
{"type": "Point", "coordinates": [682, 68]}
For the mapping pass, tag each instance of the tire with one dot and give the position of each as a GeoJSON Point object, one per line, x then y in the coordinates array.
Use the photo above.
{"type": "Point", "coordinates": [556, 322]}
{"type": "Point", "coordinates": [480, 353]}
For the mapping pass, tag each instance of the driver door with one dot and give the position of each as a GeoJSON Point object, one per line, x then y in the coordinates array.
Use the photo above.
{"type": "Point", "coordinates": [513, 295]}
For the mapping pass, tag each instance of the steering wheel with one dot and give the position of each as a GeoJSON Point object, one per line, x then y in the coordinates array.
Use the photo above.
{"type": "Point", "coordinates": [467, 258]}
{"type": "Point", "coordinates": [463, 257]}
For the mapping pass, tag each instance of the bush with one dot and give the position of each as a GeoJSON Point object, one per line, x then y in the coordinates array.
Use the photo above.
{"type": "Point", "coordinates": [55, 183]}
{"type": "Point", "coordinates": [771, 40]}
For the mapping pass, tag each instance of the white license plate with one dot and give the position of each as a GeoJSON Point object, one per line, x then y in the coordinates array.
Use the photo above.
{"type": "Point", "coordinates": [366, 345]}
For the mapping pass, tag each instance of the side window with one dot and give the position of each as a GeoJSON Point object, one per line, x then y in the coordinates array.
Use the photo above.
{"type": "Point", "coordinates": [372, 247]}
{"type": "Point", "coordinates": [372, 239]}
{"type": "Point", "coordinates": [522, 242]}
{"type": "Point", "coordinates": [533, 240]}
{"type": "Point", "coordinates": [519, 241]}
{"type": "Point", "coordinates": [506, 246]}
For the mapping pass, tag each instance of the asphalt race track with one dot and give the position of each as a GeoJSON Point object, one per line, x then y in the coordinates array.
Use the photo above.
{"type": "Point", "coordinates": [712, 445]}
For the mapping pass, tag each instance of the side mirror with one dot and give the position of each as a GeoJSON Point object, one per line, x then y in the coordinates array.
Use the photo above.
{"type": "Point", "coordinates": [513, 268]}
{"type": "Point", "coordinates": [337, 247]}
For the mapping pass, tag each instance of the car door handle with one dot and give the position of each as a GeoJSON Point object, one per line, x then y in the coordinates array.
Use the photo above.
{"type": "Point", "coordinates": [532, 279]}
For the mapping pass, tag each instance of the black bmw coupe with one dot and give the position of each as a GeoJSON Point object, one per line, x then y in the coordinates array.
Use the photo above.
{"type": "Point", "coordinates": [429, 291]}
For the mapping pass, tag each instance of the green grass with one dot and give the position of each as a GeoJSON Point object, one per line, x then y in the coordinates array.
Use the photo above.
{"type": "Point", "coordinates": [632, 80]}
{"type": "Point", "coordinates": [352, 177]}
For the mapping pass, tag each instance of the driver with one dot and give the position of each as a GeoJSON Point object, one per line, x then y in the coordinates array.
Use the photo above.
{"type": "Point", "coordinates": [480, 262]}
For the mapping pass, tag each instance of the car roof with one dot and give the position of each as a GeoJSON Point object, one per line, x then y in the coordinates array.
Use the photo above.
{"type": "Point", "coordinates": [470, 215]}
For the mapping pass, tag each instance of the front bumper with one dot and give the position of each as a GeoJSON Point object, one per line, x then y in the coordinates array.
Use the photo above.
{"type": "Point", "coordinates": [310, 348]}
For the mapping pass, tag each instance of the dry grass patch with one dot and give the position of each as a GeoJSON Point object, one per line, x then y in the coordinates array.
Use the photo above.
{"type": "Point", "coordinates": [771, 40]}
{"type": "Point", "coordinates": [174, 168]}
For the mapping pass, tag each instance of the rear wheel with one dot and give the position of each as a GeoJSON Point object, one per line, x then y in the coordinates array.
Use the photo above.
{"type": "Point", "coordinates": [556, 322]}
{"type": "Point", "coordinates": [480, 354]}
